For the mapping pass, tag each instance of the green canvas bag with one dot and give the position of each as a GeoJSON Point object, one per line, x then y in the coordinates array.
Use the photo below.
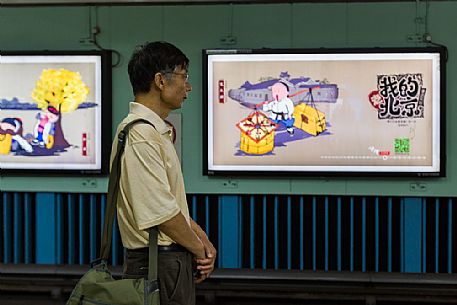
{"type": "Point", "coordinates": [97, 286]}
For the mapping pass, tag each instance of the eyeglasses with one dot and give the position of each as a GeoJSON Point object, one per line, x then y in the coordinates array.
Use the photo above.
{"type": "Point", "coordinates": [186, 75]}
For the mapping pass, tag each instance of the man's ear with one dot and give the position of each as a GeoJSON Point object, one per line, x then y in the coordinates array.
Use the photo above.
{"type": "Point", "coordinates": [159, 80]}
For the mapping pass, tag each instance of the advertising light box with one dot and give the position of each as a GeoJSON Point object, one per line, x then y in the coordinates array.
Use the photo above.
{"type": "Point", "coordinates": [324, 112]}
{"type": "Point", "coordinates": [55, 112]}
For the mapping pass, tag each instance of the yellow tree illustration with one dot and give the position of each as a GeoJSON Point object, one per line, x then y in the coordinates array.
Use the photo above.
{"type": "Point", "coordinates": [65, 91]}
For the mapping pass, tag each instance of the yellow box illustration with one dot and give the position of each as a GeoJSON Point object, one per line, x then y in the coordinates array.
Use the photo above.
{"type": "Point", "coordinates": [257, 134]}
{"type": "Point", "coordinates": [309, 119]}
{"type": "Point", "coordinates": [5, 143]}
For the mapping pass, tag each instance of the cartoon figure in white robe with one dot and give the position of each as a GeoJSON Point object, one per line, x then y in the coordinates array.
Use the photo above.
{"type": "Point", "coordinates": [281, 108]}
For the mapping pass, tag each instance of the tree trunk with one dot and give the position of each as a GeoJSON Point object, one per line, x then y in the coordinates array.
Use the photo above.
{"type": "Point", "coordinates": [59, 139]}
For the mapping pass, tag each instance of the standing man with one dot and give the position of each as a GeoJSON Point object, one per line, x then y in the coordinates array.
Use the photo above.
{"type": "Point", "coordinates": [151, 189]}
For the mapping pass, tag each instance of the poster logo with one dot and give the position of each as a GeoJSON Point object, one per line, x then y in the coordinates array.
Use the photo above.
{"type": "Point", "coordinates": [399, 96]}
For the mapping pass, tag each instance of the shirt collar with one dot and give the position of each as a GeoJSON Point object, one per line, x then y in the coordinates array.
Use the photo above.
{"type": "Point", "coordinates": [146, 113]}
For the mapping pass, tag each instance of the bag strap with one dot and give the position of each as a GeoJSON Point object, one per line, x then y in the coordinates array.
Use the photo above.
{"type": "Point", "coordinates": [113, 189]}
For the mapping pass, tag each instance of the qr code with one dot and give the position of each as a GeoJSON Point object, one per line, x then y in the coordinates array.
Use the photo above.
{"type": "Point", "coordinates": [401, 146]}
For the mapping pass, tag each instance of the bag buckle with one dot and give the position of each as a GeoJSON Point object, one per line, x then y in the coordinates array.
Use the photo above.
{"type": "Point", "coordinates": [152, 285]}
{"type": "Point", "coordinates": [97, 262]}
{"type": "Point", "coordinates": [121, 136]}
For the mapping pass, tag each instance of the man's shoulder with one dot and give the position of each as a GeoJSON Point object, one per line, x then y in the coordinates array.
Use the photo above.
{"type": "Point", "coordinates": [135, 121]}
{"type": "Point", "coordinates": [142, 130]}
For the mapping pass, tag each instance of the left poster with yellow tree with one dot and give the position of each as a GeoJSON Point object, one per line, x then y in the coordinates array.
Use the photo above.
{"type": "Point", "coordinates": [50, 112]}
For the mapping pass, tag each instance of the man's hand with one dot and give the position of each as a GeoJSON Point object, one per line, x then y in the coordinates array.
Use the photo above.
{"type": "Point", "coordinates": [206, 265]}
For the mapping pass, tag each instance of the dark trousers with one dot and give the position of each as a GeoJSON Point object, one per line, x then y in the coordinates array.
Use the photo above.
{"type": "Point", "coordinates": [175, 275]}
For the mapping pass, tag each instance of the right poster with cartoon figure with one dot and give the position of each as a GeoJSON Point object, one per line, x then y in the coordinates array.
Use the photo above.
{"type": "Point", "coordinates": [340, 112]}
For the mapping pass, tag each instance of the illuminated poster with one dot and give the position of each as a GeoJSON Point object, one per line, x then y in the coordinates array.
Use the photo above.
{"type": "Point", "coordinates": [324, 113]}
{"type": "Point", "coordinates": [51, 112]}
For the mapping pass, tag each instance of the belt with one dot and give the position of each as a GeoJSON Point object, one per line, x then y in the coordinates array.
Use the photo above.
{"type": "Point", "coordinates": [170, 248]}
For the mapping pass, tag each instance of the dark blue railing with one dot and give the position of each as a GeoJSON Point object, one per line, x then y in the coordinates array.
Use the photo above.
{"type": "Point", "coordinates": [294, 232]}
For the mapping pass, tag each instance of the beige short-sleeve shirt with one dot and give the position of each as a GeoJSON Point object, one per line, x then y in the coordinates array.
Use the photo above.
{"type": "Point", "coordinates": [151, 187]}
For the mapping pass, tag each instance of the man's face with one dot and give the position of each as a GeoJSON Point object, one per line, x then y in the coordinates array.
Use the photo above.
{"type": "Point", "coordinates": [176, 88]}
